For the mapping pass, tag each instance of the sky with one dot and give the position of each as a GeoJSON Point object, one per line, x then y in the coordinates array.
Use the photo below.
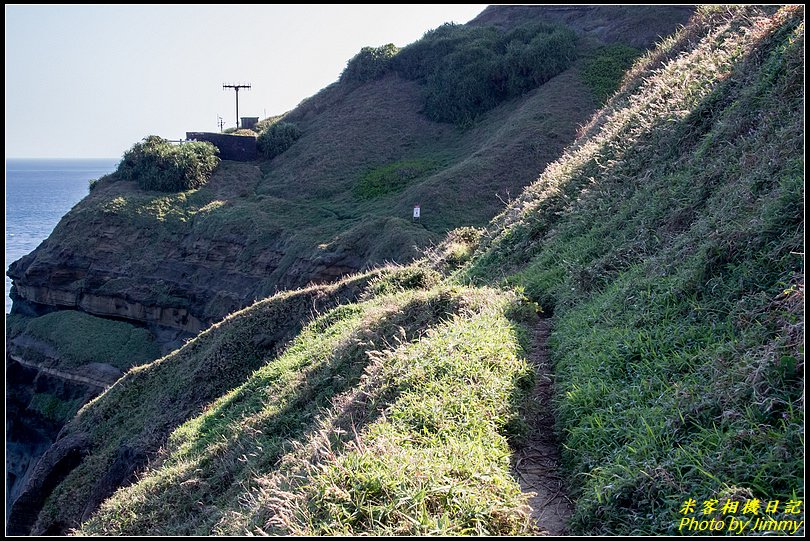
{"type": "Point", "coordinates": [89, 81]}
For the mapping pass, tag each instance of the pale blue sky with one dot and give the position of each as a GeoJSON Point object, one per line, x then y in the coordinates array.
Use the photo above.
{"type": "Point", "coordinates": [89, 81]}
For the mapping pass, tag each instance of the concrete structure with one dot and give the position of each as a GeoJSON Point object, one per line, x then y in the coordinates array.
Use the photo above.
{"type": "Point", "coordinates": [248, 122]}
{"type": "Point", "coordinates": [240, 148]}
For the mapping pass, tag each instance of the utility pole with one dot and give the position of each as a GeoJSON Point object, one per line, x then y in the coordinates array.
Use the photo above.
{"type": "Point", "coordinates": [236, 88]}
{"type": "Point", "coordinates": [221, 122]}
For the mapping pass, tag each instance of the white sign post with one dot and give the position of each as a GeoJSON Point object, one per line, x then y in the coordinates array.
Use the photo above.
{"type": "Point", "coordinates": [416, 212]}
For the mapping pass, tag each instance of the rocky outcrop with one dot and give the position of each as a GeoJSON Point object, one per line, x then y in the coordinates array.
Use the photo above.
{"type": "Point", "coordinates": [52, 468]}
{"type": "Point", "coordinates": [30, 431]}
{"type": "Point", "coordinates": [185, 281]}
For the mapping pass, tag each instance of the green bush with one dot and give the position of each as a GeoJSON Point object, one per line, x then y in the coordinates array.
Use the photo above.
{"type": "Point", "coordinates": [422, 58]}
{"type": "Point", "coordinates": [278, 138]}
{"type": "Point", "coordinates": [469, 70]}
{"type": "Point", "coordinates": [369, 64]}
{"type": "Point", "coordinates": [265, 123]}
{"type": "Point", "coordinates": [603, 74]}
{"type": "Point", "coordinates": [156, 164]}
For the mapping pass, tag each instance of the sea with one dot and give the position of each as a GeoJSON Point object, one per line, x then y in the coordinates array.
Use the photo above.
{"type": "Point", "coordinates": [38, 193]}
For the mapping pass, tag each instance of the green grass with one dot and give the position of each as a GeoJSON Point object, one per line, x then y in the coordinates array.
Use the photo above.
{"type": "Point", "coordinates": [668, 246]}
{"type": "Point", "coordinates": [441, 369]}
{"type": "Point", "coordinates": [54, 408]}
{"type": "Point", "coordinates": [150, 401]}
{"type": "Point", "coordinates": [392, 178]}
{"type": "Point", "coordinates": [277, 138]}
{"type": "Point", "coordinates": [79, 339]}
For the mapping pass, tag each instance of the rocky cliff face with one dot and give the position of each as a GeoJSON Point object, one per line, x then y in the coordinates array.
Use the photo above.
{"type": "Point", "coordinates": [38, 400]}
{"type": "Point", "coordinates": [110, 267]}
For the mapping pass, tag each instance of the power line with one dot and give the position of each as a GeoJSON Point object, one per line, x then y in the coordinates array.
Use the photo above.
{"type": "Point", "coordinates": [236, 88]}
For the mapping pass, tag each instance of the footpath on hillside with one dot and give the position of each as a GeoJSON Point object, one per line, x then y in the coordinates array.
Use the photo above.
{"type": "Point", "coordinates": [537, 463]}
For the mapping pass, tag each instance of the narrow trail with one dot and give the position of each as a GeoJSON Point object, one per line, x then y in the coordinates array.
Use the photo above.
{"type": "Point", "coordinates": [537, 463]}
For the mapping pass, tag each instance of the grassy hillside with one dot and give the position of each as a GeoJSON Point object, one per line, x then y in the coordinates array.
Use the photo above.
{"type": "Point", "coordinates": [431, 124]}
{"type": "Point", "coordinates": [72, 344]}
{"type": "Point", "coordinates": [134, 417]}
{"type": "Point", "coordinates": [666, 244]}
{"type": "Point", "coordinates": [389, 416]}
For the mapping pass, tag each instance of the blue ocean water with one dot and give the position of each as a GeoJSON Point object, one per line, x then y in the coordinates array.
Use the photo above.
{"type": "Point", "coordinates": [38, 193]}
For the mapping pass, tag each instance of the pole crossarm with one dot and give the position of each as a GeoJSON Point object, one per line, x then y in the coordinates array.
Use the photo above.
{"type": "Point", "coordinates": [236, 89]}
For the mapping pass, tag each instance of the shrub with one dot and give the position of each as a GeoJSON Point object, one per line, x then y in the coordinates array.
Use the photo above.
{"type": "Point", "coordinates": [156, 164]}
{"type": "Point", "coordinates": [603, 74]}
{"type": "Point", "coordinates": [469, 70]}
{"type": "Point", "coordinates": [422, 58]}
{"type": "Point", "coordinates": [369, 64]}
{"type": "Point", "coordinates": [278, 138]}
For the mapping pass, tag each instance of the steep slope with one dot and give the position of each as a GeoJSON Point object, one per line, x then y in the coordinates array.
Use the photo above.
{"type": "Point", "coordinates": [54, 365]}
{"type": "Point", "coordinates": [667, 244]}
{"type": "Point", "coordinates": [179, 262]}
{"type": "Point", "coordinates": [134, 417]}
{"type": "Point", "coordinates": [184, 261]}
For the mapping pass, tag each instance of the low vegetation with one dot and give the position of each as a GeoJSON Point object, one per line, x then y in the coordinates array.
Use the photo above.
{"type": "Point", "coordinates": [78, 338]}
{"type": "Point", "coordinates": [392, 178]}
{"type": "Point", "coordinates": [407, 400]}
{"type": "Point", "coordinates": [156, 164]}
{"type": "Point", "coordinates": [54, 408]}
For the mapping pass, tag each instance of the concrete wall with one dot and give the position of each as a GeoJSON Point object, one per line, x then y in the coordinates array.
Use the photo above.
{"type": "Point", "coordinates": [240, 148]}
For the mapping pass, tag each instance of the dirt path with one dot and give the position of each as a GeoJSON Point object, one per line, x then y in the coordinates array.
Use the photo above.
{"type": "Point", "coordinates": [537, 463]}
